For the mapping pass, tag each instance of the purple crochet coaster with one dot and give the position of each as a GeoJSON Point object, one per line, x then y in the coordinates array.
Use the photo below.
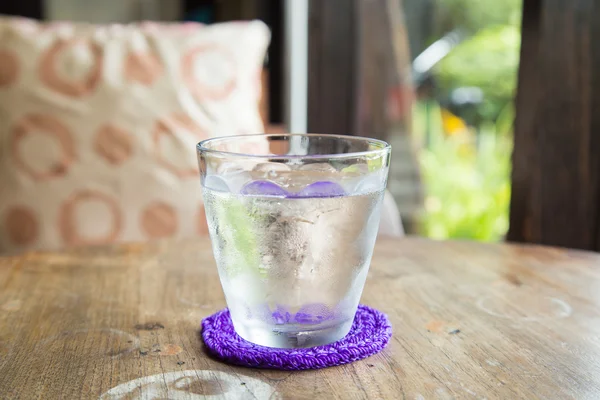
{"type": "Point", "coordinates": [369, 334]}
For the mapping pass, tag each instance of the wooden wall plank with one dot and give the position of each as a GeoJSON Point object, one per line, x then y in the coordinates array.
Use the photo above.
{"type": "Point", "coordinates": [332, 66]}
{"type": "Point", "coordinates": [556, 169]}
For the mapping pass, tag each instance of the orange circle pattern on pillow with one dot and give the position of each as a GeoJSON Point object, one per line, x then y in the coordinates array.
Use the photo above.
{"type": "Point", "coordinates": [9, 67]}
{"type": "Point", "coordinates": [68, 221]}
{"type": "Point", "coordinates": [171, 128]}
{"type": "Point", "coordinates": [113, 144]}
{"type": "Point", "coordinates": [22, 225]}
{"type": "Point", "coordinates": [101, 124]}
{"type": "Point", "coordinates": [51, 76]}
{"type": "Point", "coordinates": [39, 124]}
{"type": "Point", "coordinates": [203, 87]}
{"type": "Point", "coordinates": [159, 220]}
{"type": "Point", "coordinates": [143, 68]}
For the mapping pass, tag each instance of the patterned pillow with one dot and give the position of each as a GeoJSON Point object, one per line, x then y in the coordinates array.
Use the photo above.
{"type": "Point", "coordinates": [98, 126]}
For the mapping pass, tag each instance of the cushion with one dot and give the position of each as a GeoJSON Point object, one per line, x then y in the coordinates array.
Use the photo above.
{"type": "Point", "coordinates": [98, 126]}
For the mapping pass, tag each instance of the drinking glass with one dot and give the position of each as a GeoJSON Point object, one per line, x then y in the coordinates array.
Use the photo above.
{"type": "Point", "coordinates": [293, 220]}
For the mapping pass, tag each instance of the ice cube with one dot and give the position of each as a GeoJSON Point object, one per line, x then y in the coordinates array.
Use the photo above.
{"type": "Point", "coordinates": [217, 183]}
{"type": "Point", "coordinates": [229, 167]}
{"type": "Point", "coordinates": [356, 169]}
{"type": "Point", "coordinates": [237, 180]}
{"type": "Point", "coordinates": [272, 171]}
{"type": "Point", "coordinates": [352, 175]}
{"type": "Point", "coordinates": [271, 166]}
{"type": "Point", "coordinates": [370, 183]}
{"type": "Point", "coordinates": [320, 167]}
{"type": "Point", "coordinates": [313, 173]}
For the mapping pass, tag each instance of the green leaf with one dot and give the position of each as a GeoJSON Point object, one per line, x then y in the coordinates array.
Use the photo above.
{"type": "Point", "coordinates": [241, 250]}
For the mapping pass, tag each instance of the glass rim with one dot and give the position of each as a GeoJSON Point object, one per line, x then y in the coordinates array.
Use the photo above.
{"type": "Point", "coordinates": [384, 147]}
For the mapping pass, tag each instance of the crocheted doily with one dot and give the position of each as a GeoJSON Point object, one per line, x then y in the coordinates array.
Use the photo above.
{"type": "Point", "coordinates": [370, 333]}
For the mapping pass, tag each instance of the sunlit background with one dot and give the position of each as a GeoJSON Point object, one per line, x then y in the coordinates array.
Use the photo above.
{"type": "Point", "coordinates": [463, 57]}
{"type": "Point", "coordinates": [466, 56]}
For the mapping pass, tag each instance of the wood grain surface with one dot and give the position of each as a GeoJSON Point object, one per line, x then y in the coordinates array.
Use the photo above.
{"type": "Point", "coordinates": [470, 321]}
{"type": "Point", "coordinates": [556, 166]}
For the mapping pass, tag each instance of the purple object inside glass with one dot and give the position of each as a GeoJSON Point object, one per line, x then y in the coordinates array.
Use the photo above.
{"type": "Point", "coordinates": [282, 316]}
{"type": "Point", "coordinates": [313, 314]}
{"type": "Point", "coordinates": [307, 314]}
{"type": "Point", "coordinates": [320, 189]}
{"type": "Point", "coordinates": [264, 188]}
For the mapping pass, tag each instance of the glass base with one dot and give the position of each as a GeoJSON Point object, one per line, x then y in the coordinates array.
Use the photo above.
{"type": "Point", "coordinates": [293, 336]}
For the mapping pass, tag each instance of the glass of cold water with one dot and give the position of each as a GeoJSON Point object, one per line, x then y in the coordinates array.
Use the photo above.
{"type": "Point", "coordinates": [293, 220]}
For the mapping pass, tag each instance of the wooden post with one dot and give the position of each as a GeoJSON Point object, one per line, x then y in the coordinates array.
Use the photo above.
{"type": "Point", "coordinates": [359, 83]}
{"type": "Point", "coordinates": [358, 61]}
{"type": "Point", "coordinates": [332, 66]}
{"type": "Point", "coordinates": [556, 160]}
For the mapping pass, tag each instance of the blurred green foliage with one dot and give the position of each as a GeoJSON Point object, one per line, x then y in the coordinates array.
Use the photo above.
{"type": "Point", "coordinates": [467, 172]}
{"type": "Point", "coordinates": [467, 182]}
{"type": "Point", "coordinates": [472, 16]}
{"type": "Point", "coordinates": [488, 60]}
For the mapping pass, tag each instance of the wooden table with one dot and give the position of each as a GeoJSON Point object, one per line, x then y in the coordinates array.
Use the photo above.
{"type": "Point", "coordinates": [470, 321]}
